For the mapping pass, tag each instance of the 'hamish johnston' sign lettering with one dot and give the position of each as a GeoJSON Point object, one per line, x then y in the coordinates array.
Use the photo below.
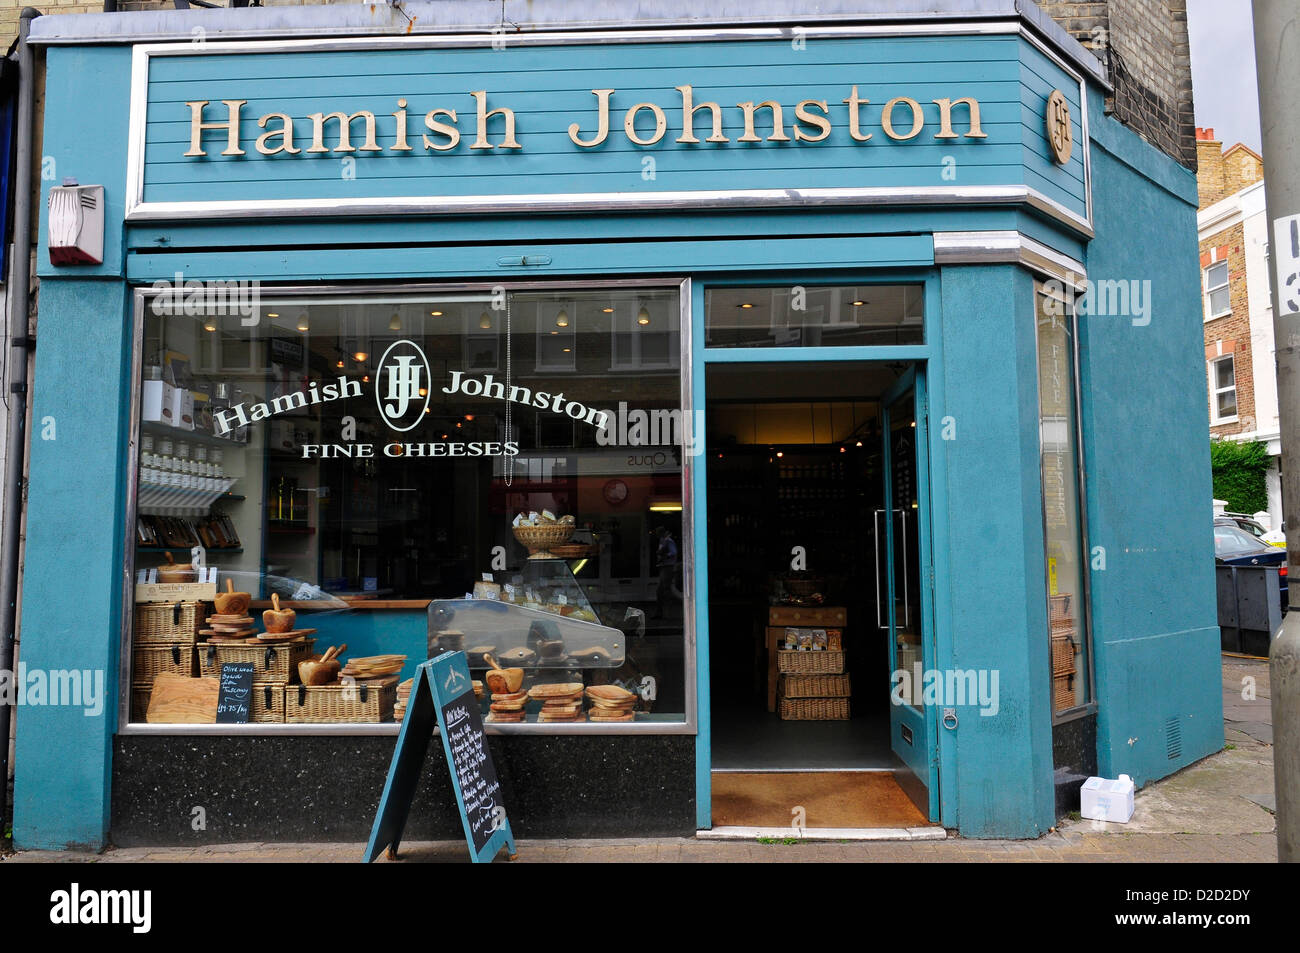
{"type": "Point", "coordinates": [644, 124]}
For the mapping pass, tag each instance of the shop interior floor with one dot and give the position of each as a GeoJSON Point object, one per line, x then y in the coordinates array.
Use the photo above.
{"type": "Point", "coordinates": [746, 739]}
{"type": "Point", "coordinates": [852, 799]}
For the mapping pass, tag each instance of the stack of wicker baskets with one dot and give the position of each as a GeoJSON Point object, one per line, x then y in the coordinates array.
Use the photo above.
{"type": "Point", "coordinates": [275, 667]}
{"type": "Point", "coordinates": [165, 636]}
{"type": "Point", "coordinates": [1064, 646]}
{"type": "Point", "coordinates": [814, 685]}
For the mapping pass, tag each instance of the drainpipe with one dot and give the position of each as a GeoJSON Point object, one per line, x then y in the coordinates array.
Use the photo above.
{"type": "Point", "coordinates": [20, 285]}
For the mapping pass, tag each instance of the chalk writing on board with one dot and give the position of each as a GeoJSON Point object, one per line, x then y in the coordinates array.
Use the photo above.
{"type": "Point", "coordinates": [479, 788]}
{"type": "Point", "coordinates": [235, 696]}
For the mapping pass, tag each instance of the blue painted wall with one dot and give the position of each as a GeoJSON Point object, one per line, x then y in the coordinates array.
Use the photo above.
{"type": "Point", "coordinates": [73, 568]}
{"type": "Point", "coordinates": [1146, 445]}
{"type": "Point", "coordinates": [990, 533]}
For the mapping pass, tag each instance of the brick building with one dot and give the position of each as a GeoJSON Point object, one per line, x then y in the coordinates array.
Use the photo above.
{"type": "Point", "coordinates": [1239, 351]}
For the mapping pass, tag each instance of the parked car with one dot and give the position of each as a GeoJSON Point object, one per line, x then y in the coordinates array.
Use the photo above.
{"type": "Point", "coordinates": [1255, 528]}
{"type": "Point", "coordinates": [1233, 546]}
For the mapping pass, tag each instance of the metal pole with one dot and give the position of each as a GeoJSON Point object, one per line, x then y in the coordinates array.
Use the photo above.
{"type": "Point", "coordinates": [20, 285]}
{"type": "Point", "coordinates": [1277, 57]}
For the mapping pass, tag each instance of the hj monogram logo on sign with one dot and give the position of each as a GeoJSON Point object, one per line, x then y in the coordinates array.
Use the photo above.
{"type": "Point", "coordinates": [1059, 133]}
{"type": "Point", "coordinates": [402, 385]}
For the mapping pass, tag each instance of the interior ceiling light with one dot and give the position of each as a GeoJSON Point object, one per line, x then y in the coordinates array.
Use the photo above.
{"type": "Point", "coordinates": [395, 322]}
{"type": "Point", "coordinates": [566, 350]}
{"type": "Point", "coordinates": [435, 314]}
{"type": "Point", "coordinates": [360, 356]}
{"type": "Point", "coordinates": [273, 314]}
{"type": "Point", "coordinates": [859, 443]}
{"type": "Point", "coordinates": [643, 316]}
{"type": "Point", "coordinates": [338, 363]}
{"type": "Point", "coordinates": [858, 304]}
{"type": "Point", "coordinates": [366, 379]}
{"type": "Point", "coordinates": [303, 323]}
{"type": "Point", "coordinates": [562, 319]}
{"type": "Point", "coordinates": [607, 310]}
{"type": "Point", "coordinates": [210, 324]}
{"type": "Point", "coordinates": [469, 416]}
{"type": "Point", "coordinates": [485, 321]}
{"type": "Point", "coordinates": [424, 392]}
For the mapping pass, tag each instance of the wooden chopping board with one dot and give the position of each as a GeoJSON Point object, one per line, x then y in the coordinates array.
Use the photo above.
{"type": "Point", "coordinates": [177, 699]}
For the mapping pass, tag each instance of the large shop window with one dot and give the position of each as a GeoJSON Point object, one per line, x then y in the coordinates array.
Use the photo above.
{"type": "Point", "coordinates": [1062, 517]}
{"type": "Point", "coordinates": [492, 471]}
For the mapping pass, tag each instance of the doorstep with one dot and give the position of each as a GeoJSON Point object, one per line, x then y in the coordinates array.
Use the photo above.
{"type": "Point", "coordinates": [823, 833]}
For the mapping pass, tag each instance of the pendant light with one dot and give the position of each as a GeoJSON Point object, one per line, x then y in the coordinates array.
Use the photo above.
{"type": "Point", "coordinates": [485, 321]}
{"type": "Point", "coordinates": [562, 319]}
{"type": "Point", "coordinates": [395, 322]}
{"type": "Point", "coordinates": [303, 323]}
{"type": "Point", "coordinates": [643, 316]}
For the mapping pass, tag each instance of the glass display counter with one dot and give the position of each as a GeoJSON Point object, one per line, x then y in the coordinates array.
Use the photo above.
{"type": "Point", "coordinates": [540, 618]}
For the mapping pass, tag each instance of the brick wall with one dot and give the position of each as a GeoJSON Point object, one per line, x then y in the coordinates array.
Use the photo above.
{"type": "Point", "coordinates": [1222, 173]}
{"type": "Point", "coordinates": [1145, 48]}
{"type": "Point", "coordinates": [1230, 334]}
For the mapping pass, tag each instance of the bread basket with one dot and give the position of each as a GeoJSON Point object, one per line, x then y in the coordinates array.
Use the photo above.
{"type": "Point", "coordinates": [539, 539]}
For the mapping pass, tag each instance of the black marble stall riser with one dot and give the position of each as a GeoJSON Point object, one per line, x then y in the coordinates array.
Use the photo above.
{"type": "Point", "coordinates": [305, 788]}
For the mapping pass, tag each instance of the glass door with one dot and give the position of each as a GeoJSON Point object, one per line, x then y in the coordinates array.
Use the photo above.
{"type": "Point", "coordinates": [902, 540]}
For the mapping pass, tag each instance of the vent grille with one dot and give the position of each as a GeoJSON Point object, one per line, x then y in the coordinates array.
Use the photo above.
{"type": "Point", "coordinates": [1174, 738]}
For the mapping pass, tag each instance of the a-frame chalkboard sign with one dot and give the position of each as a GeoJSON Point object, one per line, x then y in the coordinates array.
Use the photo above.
{"type": "Point", "coordinates": [443, 694]}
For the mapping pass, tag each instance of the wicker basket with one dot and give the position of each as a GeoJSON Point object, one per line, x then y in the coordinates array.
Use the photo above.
{"type": "Point", "coordinates": [150, 661]}
{"type": "Point", "coordinates": [168, 622]}
{"type": "Point", "coordinates": [1062, 655]}
{"type": "Point", "coordinates": [268, 704]}
{"type": "Point", "coordinates": [815, 686]}
{"type": "Point", "coordinates": [273, 664]}
{"type": "Point", "coordinates": [539, 539]}
{"type": "Point", "coordinates": [814, 709]}
{"type": "Point", "coordinates": [1059, 608]}
{"type": "Point", "coordinates": [795, 662]}
{"type": "Point", "coordinates": [802, 587]}
{"type": "Point", "coordinates": [1062, 692]}
{"type": "Point", "coordinates": [371, 700]}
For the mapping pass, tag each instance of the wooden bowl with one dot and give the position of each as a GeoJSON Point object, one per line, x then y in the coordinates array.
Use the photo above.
{"type": "Point", "coordinates": [316, 672]}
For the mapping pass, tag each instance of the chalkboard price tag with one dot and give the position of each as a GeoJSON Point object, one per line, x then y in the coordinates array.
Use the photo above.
{"type": "Point", "coordinates": [443, 694]}
{"type": "Point", "coordinates": [235, 699]}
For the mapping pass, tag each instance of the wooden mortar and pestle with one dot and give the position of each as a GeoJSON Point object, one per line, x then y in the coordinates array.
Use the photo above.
{"type": "Point", "coordinates": [502, 681]}
{"type": "Point", "coordinates": [278, 620]}
{"type": "Point", "coordinates": [231, 602]}
{"type": "Point", "coordinates": [170, 571]}
{"type": "Point", "coordinates": [324, 669]}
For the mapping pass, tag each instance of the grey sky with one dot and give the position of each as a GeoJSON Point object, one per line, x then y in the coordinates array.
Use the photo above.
{"type": "Point", "coordinates": [1223, 69]}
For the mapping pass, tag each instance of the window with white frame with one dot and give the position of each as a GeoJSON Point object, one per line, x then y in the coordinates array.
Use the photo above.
{"type": "Point", "coordinates": [1223, 390]}
{"type": "Point", "coordinates": [1217, 297]}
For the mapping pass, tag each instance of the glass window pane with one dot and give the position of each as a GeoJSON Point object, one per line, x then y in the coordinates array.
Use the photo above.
{"type": "Point", "coordinates": [1227, 403]}
{"type": "Point", "coordinates": [1216, 275]}
{"type": "Point", "coordinates": [374, 453]}
{"type": "Point", "coordinates": [1224, 373]}
{"type": "Point", "coordinates": [1220, 300]}
{"type": "Point", "coordinates": [1061, 506]}
{"type": "Point", "coordinates": [815, 316]}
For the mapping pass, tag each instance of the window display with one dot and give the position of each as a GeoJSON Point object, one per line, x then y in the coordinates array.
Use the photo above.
{"type": "Point", "coordinates": [491, 470]}
{"type": "Point", "coordinates": [1062, 518]}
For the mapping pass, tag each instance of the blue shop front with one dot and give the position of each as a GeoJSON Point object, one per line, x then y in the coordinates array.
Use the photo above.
{"type": "Point", "coordinates": [770, 403]}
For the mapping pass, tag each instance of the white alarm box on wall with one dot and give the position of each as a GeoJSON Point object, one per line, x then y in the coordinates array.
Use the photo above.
{"type": "Point", "coordinates": [76, 224]}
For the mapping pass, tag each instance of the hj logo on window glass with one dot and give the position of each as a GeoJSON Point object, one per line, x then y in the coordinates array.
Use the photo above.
{"type": "Point", "coordinates": [402, 385]}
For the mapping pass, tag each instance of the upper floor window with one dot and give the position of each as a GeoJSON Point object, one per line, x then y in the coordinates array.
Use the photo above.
{"type": "Point", "coordinates": [1217, 301]}
{"type": "Point", "coordinates": [1223, 390]}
